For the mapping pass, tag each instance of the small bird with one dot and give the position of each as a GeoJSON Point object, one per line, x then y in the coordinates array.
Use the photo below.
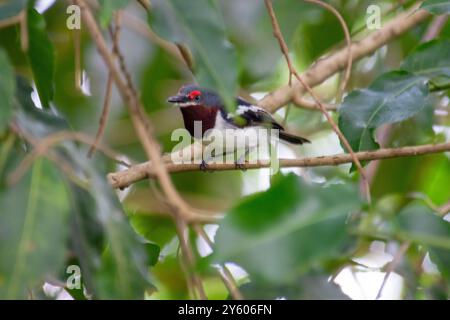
{"type": "Point", "coordinates": [206, 106]}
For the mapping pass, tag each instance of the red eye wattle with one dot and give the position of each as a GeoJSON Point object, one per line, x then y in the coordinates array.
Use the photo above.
{"type": "Point", "coordinates": [194, 94]}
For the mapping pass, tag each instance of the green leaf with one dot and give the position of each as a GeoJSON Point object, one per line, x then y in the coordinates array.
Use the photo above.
{"type": "Point", "coordinates": [112, 258]}
{"type": "Point", "coordinates": [157, 229]}
{"type": "Point", "coordinates": [108, 8]}
{"type": "Point", "coordinates": [429, 60]}
{"type": "Point", "coordinates": [419, 224]}
{"type": "Point", "coordinates": [11, 8]}
{"type": "Point", "coordinates": [393, 97]}
{"type": "Point", "coordinates": [98, 221]}
{"type": "Point", "coordinates": [200, 25]}
{"type": "Point", "coordinates": [286, 230]}
{"type": "Point", "coordinates": [42, 57]}
{"type": "Point", "coordinates": [153, 251]}
{"type": "Point", "coordinates": [436, 6]}
{"type": "Point", "coordinates": [33, 230]}
{"type": "Point", "coordinates": [39, 122]}
{"type": "Point", "coordinates": [426, 175]}
{"type": "Point", "coordinates": [7, 90]}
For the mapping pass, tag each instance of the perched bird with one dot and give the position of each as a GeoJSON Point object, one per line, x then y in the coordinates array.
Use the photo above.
{"type": "Point", "coordinates": [206, 106]}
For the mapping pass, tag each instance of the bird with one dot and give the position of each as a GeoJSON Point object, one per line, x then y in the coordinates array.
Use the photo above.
{"type": "Point", "coordinates": [201, 104]}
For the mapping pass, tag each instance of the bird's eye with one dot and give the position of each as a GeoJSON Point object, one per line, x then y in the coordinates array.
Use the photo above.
{"type": "Point", "coordinates": [195, 95]}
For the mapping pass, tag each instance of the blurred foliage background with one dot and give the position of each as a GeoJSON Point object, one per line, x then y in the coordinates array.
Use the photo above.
{"type": "Point", "coordinates": [301, 234]}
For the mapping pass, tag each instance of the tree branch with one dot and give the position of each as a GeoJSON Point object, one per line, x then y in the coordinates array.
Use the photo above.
{"type": "Point", "coordinates": [444, 209]}
{"type": "Point", "coordinates": [392, 265]}
{"type": "Point", "coordinates": [10, 21]}
{"type": "Point", "coordinates": [180, 210]}
{"type": "Point", "coordinates": [44, 145]}
{"type": "Point", "coordinates": [435, 27]}
{"type": "Point", "coordinates": [224, 273]}
{"type": "Point", "coordinates": [292, 71]}
{"type": "Point", "coordinates": [115, 35]}
{"type": "Point", "coordinates": [326, 67]}
{"type": "Point", "coordinates": [144, 170]}
{"type": "Point", "coordinates": [348, 42]}
{"type": "Point", "coordinates": [141, 123]}
{"type": "Point", "coordinates": [24, 37]}
{"type": "Point", "coordinates": [143, 28]}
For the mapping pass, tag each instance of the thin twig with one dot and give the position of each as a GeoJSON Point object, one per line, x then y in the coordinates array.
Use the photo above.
{"type": "Point", "coordinates": [348, 41]}
{"type": "Point", "coordinates": [190, 283]}
{"type": "Point", "coordinates": [226, 276]}
{"type": "Point", "coordinates": [77, 48]}
{"type": "Point", "coordinates": [44, 145]}
{"type": "Point", "coordinates": [190, 259]}
{"type": "Point", "coordinates": [435, 27]}
{"type": "Point", "coordinates": [141, 124]}
{"type": "Point", "coordinates": [363, 26]}
{"type": "Point", "coordinates": [143, 28]}
{"type": "Point", "coordinates": [444, 209]}
{"type": "Point", "coordinates": [392, 265]}
{"type": "Point", "coordinates": [115, 35]}
{"type": "Point", "coordinates": [279, 36]}
{"type": "Point", "coordinates": [180, 210]}
{"type": "Point", "coordinates": [326, 67]}
{"type": "Point", "coordinates": [10, 21]}
{"type": "Point", "coordinates": [308, 104]}
{"type": "Point", "coordinates": [104, 116]}
{"type": "Point", "coordinates": [24, 38]}
{"type": "Point", "coordinates": [123, 179]}
{"type": "Point", "coordinates": [145, 4]}
{"type": "Point", "coordinates": [59, 161]}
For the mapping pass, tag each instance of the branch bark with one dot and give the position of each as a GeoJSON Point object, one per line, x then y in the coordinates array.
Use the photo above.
{"type": "Point", "coordinates": [141, 123]}
{"type": "Point", "coordinates": [326, 67]}
{"type": "Point", "coordinates": [144, 170]}
{"type": "Point", "coordinates": [348, 42]}
{"type": "Point", "coordinates": [115, 35]}
{"type": "Point", "coordinates": [435, 27]}
{"type": "Point", "coordinates": [292, 71]}
{"type": "Point", "coordinates": [180, 210]}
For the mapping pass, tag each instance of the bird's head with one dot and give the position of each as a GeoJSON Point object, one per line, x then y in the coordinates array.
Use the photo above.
{"type": "Point", "coordinates": [193, 95]}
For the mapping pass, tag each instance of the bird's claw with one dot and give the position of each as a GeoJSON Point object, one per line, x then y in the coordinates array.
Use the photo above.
{"type": "Point", "coordinates": [240, 166]}
{"type": "Point", "coordinates": [205, 167]}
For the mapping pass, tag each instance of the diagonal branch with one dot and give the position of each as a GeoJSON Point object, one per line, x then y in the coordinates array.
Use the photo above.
{"type": "Point", "coordinates": [144, 130]}
{"type": "Point", "coordinates": [279, 36]}
{"type": "Point", "coordinates": [141, 124]}
{"type": "Point", "coordinates": [348, 41]}
{"type": "Point", "coordinates": [224, 272]}
{"type": "Point", "coordinates": [435, 27]}
{"type": "Point", "coordinates": [392, 265]}
{"type": "Point", "coordinates": [44, 145]}
{"type": "Point", "coordinates": [326, 67]}
{"type": "Point", "coordinates": [10, 21]}
{"type": "Point", "coordinates": [115, 35]}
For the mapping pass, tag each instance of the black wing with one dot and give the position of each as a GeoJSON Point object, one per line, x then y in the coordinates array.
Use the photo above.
{"type": "Point", "coordinates": [250, 115]}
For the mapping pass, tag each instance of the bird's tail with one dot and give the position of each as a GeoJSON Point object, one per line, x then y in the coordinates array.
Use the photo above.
{"type": "Point", "coordinates": [292, 138]}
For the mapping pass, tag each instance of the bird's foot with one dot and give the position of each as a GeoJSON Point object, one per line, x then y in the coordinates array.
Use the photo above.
{"type": "Point", "coordinates": [205, 167]}
{"type": "Point", "coordinates": [240, 166]}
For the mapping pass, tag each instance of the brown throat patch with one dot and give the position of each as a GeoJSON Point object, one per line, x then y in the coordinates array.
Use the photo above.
{"type": "Point", "coordinates": [207, 116]}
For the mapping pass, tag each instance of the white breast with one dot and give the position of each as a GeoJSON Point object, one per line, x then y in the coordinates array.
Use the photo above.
{"type": "Point", "coordinates": [233, 138]}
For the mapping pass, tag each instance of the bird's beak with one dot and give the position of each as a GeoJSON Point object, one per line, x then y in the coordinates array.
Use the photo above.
{"type": "Point", "coordinates": [177, 99]}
